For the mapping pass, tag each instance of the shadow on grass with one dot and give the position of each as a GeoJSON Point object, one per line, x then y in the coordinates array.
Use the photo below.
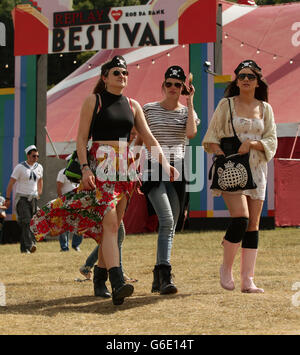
{"type": "Point", "coordinates": [82, 304]}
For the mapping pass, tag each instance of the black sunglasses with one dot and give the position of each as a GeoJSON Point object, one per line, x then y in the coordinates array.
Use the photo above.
{"type": "Point", "coordinates": [168, 84]}
{"type": "Point", "coordinates": [117, 72]}
{"type": "Point", "coordinates": [35, 155]}
{"type": "Point", "coordinates": [243, 76]}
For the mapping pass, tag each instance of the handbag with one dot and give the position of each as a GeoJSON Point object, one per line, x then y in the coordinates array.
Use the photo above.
{"type": "Point", "coordinates": [231, 172]}
{"type": "Point", "coordinates": [73, 171]}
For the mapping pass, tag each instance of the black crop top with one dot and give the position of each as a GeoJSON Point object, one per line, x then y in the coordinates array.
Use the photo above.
{"type": "Point", "coordinates": [114, 120]}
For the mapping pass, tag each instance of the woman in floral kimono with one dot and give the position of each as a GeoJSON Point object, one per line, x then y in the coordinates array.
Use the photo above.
{"type": "Point", "coordinates": [95, 209]}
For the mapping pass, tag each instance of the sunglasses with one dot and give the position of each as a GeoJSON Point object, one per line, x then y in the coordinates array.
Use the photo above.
{"type": "Point", "coordinates": [243, 76]}
{"type": "Point", "coordinates": [118, 72]}
{"type": "Point", "coordinates": [169, 84]}
{"type": "Point", "coordinates": [35, 155]}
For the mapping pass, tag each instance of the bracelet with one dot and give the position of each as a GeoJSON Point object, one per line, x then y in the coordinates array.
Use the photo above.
{"type": "Point", "coordinates": [86, 167]}
{"type": "Point", "coordinates": [83, 165]}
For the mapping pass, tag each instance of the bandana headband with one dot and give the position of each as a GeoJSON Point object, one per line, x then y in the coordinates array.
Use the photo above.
{"type": "Point", "coordinates": [175, 72]}
{"type": "Point", "coordinates": [247, 64]}
{"type": "Point", "coordinates": [117, 61]}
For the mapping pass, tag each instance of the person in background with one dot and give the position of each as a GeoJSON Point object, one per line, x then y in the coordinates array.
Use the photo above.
{"type": "Point", "coordinates": [254, 124]}
{"type": "Point", "coordinates": [64, 185]}
{"type": "Point", "coordinates": [2, 216]}
{"type": "Point", "coordinates": [107, 185]}
{"type": "Point", "coordinates": [28, 177]}
{"type": "Point", "coordinates": [171, 123]}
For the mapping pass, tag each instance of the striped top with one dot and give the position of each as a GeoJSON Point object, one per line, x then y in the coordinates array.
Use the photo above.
{"type": "Point", "coordinates": [169, 128]}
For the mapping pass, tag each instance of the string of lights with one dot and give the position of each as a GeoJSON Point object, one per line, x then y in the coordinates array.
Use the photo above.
{"type": "Point", "coordinates": [145, 61]}
{"type": "Point", "coordinates": [275, 56]}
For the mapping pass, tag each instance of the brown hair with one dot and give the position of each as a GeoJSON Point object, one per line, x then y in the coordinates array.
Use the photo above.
{"type": "Point", "coordinates": [100, 86]}
{"type": "Point", "coordinates": [261, 92]}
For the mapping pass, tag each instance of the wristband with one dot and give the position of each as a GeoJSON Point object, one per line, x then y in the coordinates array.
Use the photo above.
{"type": "Point", "coordinates": [83, 165]}
{"type": "Point", "coordinates": [86, 167]}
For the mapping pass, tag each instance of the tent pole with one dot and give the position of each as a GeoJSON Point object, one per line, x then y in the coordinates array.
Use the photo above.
{"type": "Point", "coordinates": [294, 144]}
{"type": "Point", "coordinates": [55, 152]}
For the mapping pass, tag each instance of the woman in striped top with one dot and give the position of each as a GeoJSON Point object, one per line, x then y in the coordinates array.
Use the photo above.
{"type": "Point", "coordinates": [171, 123]}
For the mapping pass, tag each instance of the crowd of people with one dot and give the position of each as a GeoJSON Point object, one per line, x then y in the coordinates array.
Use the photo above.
{"type": "Point", "coordinates": [95, 208]}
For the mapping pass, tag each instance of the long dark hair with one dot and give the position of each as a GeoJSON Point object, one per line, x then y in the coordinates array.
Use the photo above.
{"type": "Point", "coordinates": [100, 86]}
{"type": "Point", "coordinates": [261, 92]}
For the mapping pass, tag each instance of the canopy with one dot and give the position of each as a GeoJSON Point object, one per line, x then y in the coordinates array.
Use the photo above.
{"type": "Point", "coordinates": [269, 35]}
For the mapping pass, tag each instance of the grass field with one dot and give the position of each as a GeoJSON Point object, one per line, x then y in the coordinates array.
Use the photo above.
{"type": "Point", "coordinates": [42, 296]}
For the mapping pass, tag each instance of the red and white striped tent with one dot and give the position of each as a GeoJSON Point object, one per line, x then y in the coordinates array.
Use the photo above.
{"type": "Point", "coordinates": [270, 35]}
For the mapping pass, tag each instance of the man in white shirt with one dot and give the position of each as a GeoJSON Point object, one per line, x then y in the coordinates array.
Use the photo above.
{"type": "Point", "coordinates": [28, 176]}
{"type": "Point", "coordinates": [64, 185]}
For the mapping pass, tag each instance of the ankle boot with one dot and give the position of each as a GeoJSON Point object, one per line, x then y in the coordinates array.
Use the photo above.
{"type": "Point", "coordinates": [248, 260]}
{"type": "Point", "coordinates": [155, 283]}
{"type": "Point", "coordinates": [120, 289]}
{"type": "Point", "coordinates": [165, 278]}
{"type": "Point", "coordinates": [226, 277]}
{"type": "Point", "coordinates": [99, 278]}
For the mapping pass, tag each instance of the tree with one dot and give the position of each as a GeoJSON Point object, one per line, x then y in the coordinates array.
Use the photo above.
{"type": "Point", "coordinates": [7, 60]}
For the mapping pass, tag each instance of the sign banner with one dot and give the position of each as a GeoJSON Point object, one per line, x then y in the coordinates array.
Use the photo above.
{"type": "Point", "coordinates": [134, 26]}
{"type": "Point", "coordinates": [167, 22]}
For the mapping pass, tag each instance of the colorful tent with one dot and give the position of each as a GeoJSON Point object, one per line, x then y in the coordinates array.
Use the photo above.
{"type": "Point", "coordinates": [268, 34]}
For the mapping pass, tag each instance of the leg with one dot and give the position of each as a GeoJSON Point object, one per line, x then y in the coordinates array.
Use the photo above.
{"type": "Point", "coordinates": [238, 209]}
{"type": "Point", "coordinates": [159, 199]}
{"type": "Point", "coordinates": [249, 248]}
{"type": "Point", "coordinates": [64, 241]}
{"type": "Point", "coordinates": [76, 241]}
{"type": "Point", "coordinates": [121, 237]}
{"type": "Point", "coordinates": [91, 260]}
{"type": "Point", "coordinates": [166, 204]}
{"type": "Point", "coordinates": [24, 210]}
{"type": "Point", "coordinates": [110, 251]}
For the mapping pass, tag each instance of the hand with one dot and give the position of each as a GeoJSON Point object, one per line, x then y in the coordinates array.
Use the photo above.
{"type": "Point", "coordinates": [219, 152]}
{"type": "Point", "coordinates": [88, 179]}
{"type": "Point", "coordinates": [190, 97]}
{"type": "Point", "coordinates": [6, 204]}
{"type": "Point", "coordinates": [245, 147]}
{"type": "Point", "coordinates": [174, 173]}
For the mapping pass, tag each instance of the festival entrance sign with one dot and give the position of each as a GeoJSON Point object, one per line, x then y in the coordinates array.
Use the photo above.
{"type": "Point", "coordinates": [160, 23]}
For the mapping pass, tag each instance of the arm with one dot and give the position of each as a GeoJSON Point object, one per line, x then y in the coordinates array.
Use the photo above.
{"type": "Point", "coordinates": [9, 190]}
{"type": "Point", "coordinates": [59, 187]}
{"type": "Point", "coordinates": [86, 113]}
{"type": "Point", "coordinates": [40, 185]}
{"type": "Point", "coordinates": [191, 127]}
{"type": "Point", "coordinates": [150, 141]}
{"type": "Point", "coordinates": [216, 128]}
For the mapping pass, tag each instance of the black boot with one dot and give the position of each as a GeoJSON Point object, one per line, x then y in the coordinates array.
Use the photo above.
{"type": "Point", "coordinates": [155, 283]}
{"type": "Point", "coordinates": [100, 276]}
{"type": "Point", "coordinates": [165, 278]}
{"type": "Point", "coordinates": [120, 289]}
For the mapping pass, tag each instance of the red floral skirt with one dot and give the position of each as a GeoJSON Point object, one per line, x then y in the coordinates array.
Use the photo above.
{"type": "Point", "coordinates": [82, 211]}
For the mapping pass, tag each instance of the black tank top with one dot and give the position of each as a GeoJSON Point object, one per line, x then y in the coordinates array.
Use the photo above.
{"type": "Point", "coordinates": [114, 120]}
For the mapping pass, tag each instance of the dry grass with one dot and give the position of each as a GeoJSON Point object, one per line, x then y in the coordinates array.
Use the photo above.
{"type": "Point", "coordinates": [43, 298]}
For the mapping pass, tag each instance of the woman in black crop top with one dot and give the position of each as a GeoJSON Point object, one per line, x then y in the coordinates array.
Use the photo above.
{"type": "Point", "coordinates": [95, 209]}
